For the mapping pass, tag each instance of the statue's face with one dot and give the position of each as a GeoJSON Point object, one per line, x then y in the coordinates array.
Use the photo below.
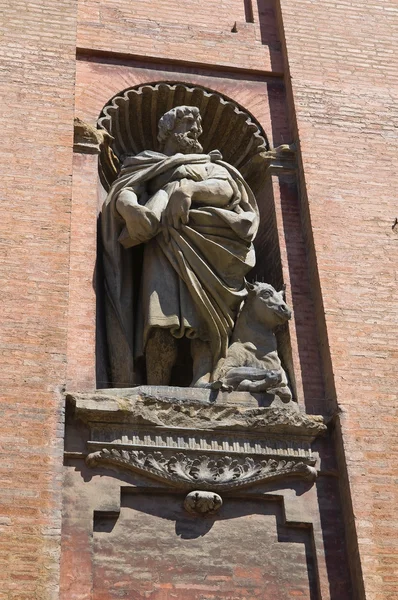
{"type": "Point", "coordinates": [186, 133]}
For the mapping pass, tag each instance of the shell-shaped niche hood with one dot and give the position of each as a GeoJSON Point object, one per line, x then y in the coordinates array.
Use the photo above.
{"type": "Point", "coordinates": [131, 118]}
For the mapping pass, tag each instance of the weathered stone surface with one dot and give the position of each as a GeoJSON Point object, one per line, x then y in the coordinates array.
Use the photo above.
{"type": "Point", "coordinates": [87, 139]}
{"type": "Point", "coordinates": [133, 406]}
{"type": "Point", "coordinates": [252, 362]}
{"type": "Point", "coordinates": [190, 443]}
{"type": "Point", "coordinates": [202, 503]}
{"type": "Point", "coordinates": [205, 471]}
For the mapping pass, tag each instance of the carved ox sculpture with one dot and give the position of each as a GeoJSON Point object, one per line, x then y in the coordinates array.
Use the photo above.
{"type": "Point", "coordinates": [252, 363]}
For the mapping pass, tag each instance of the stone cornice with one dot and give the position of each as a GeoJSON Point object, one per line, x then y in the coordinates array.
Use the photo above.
{"type": "Point", "coordinates": [134, 406]}
{"type": "Point", "coordinates": [183, 439]}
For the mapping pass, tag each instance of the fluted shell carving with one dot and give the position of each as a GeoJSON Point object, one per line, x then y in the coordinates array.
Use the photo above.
{"type": "Point", "coordinates": [131, 118]}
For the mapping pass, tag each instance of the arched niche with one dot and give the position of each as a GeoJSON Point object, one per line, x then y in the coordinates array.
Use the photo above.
{"type": "Point", "coordinates": [131, 119]}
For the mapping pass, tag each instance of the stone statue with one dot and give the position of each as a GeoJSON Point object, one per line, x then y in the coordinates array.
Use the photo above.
{"type": "Point", "coordinates": [252, 363]}
{"type": "Point", "coordinates": [177, 232]}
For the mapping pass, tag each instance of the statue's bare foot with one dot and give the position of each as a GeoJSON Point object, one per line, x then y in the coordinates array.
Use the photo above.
{"type": "Point", "coordinates": [202, 382]}
{"type": "Point", "coordinates": [221, 386]}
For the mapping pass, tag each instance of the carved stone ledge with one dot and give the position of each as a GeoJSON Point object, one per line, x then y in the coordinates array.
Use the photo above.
{"type": "Point", "coordinates": [194, 443]}
{"type": "Point", "coordinates": [190, 440]}
{"type": "Point", "coordinates": [186, 472]}
{"type": "Point", "coordinates": [87, 139]}
{"type": "Point", "coordinates": [163, 408]}
{"type": "Point", "coordinates": [282, 158]}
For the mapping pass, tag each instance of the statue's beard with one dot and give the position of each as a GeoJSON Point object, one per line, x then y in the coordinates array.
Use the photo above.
{"type": "Point", "coordinates": [187, 144]}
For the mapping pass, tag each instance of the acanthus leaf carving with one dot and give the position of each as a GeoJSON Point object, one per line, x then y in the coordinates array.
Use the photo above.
{"type": "Point", "coordinates": [205, 471]}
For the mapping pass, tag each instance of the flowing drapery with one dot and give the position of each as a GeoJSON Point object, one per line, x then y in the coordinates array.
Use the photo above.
{"type": "Point", "coordinates": [191, 282]}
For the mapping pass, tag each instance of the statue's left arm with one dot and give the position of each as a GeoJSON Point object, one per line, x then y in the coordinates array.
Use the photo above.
{"type": "Point", "coordinates": [214, 192]}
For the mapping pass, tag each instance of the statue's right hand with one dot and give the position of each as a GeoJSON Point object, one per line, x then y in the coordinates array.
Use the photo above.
{"type": "Point", "coordinates": [177, 211]}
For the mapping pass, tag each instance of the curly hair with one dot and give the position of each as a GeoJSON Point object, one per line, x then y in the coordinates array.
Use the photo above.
{"type": "Point", "coordinates": [167, 123]}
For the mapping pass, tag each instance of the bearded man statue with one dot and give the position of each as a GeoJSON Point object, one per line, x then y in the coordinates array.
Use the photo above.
{"type": "Point", "coordinates": [177, 233]}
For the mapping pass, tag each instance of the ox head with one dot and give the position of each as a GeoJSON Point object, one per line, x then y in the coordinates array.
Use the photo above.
{"type": "Point", "coordinates": [267, 305]}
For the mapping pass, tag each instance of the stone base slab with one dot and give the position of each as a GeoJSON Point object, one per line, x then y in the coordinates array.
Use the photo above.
{"type": "Point", "coordinates": [183, 438]}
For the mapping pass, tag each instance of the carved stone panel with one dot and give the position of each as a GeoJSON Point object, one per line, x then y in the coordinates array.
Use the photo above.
{"type": "Point", "coordinates": [202, 503]}
{"type": "Point", "coordinates": [196, 445]}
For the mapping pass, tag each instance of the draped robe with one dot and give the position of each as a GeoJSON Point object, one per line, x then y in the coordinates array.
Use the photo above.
{"type": "Point", "coordinates": [192, 284]}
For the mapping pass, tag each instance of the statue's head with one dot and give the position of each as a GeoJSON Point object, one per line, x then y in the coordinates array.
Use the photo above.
{"type": "Point", "coordinates": [267, 305]}
{"type": "Point", "coordinates": [179, 130]}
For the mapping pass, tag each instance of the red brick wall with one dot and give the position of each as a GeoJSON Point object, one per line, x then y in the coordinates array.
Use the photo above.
{"type": "Point", "coordinates": [37, 83]}
{"type": "Point", "coordinates": [197, 559]}
{"type": "Point", "coordinates": [182, 31]}
{"type": "Point", "coordinates": [344, 75]}
{"type": "Point", "coordinates": [83, 254]}
{"type": "Point", "coordinates": [343, 69]}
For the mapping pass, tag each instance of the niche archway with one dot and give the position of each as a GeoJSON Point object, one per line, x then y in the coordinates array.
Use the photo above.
{"type": "Point", "coordinates": [131, 118]}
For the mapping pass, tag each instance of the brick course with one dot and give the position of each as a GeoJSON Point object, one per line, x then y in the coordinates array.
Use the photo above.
{"type": "Point", "coordinates": [182, 31]}
{"type": "Point", "coordinates": [343, 70]}
{"type": "Point", "coordinates": [340, 66]}
{"type": "Point", "coordinates": [37, 84]}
